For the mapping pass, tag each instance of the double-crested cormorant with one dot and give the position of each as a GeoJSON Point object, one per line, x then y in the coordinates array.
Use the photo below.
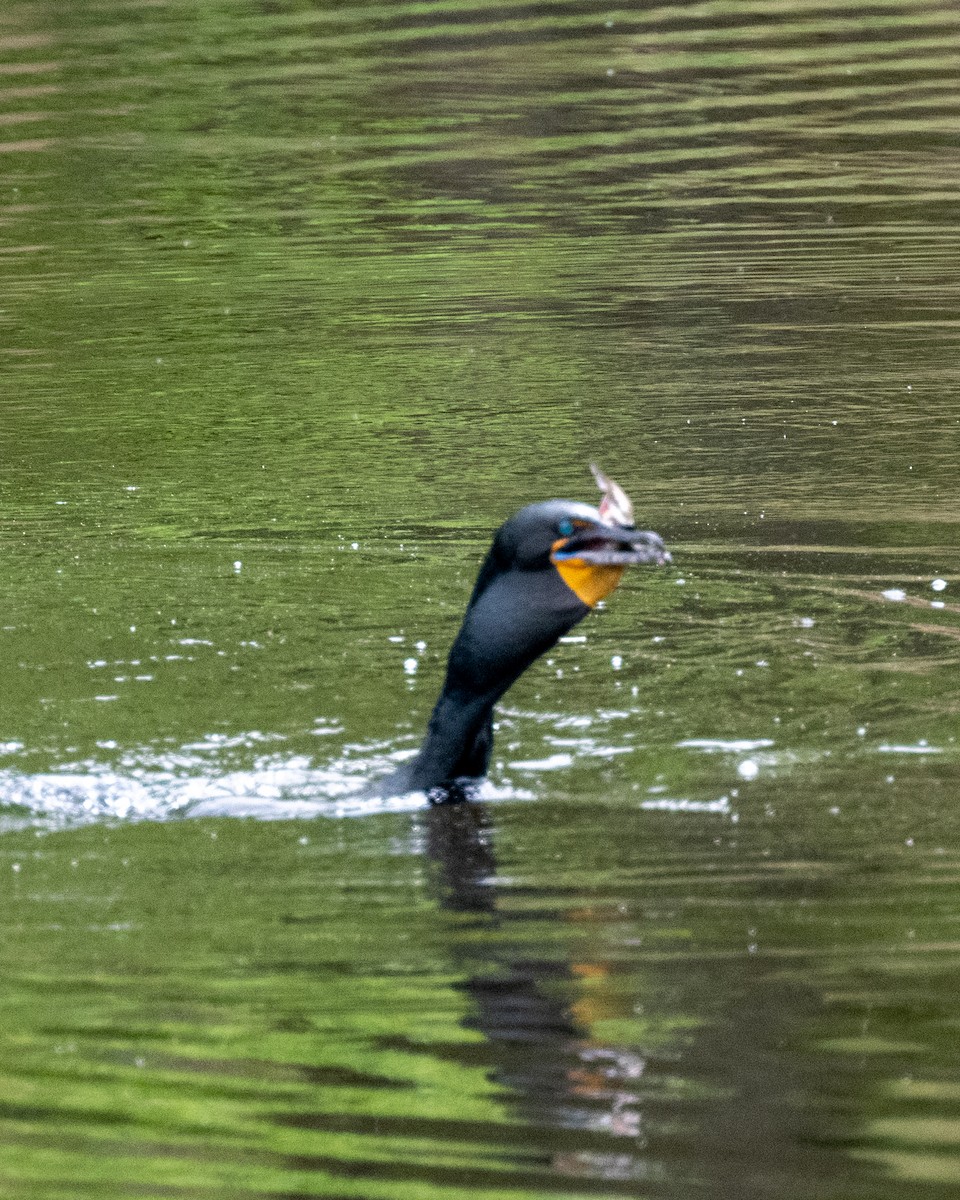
{"type": "Point", "coordinates": [549, 564]}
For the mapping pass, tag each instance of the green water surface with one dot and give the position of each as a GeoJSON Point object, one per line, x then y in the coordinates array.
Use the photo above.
{"type": "Point", "coordinates": [298, 302]}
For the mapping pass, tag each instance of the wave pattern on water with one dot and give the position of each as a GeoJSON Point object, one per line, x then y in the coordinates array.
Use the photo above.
{"type": "Point", "coordinates": [300, 301]}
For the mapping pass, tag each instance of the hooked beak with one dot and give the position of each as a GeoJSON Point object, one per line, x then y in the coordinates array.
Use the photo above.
{"type": "Point", "coordinates": [614, 540]}
{"type": "Point", "coordinates": [603, 545]}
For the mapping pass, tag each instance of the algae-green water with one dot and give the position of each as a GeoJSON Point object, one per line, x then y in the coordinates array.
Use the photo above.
{"type": "Point", "coordinates": [298, 302]}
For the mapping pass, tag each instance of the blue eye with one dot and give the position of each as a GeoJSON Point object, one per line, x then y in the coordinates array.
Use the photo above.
{"type": "Point", "coordinates": [566, 527]}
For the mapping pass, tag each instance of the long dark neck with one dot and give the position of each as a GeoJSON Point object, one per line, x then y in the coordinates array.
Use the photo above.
{"type": "Point", "coordinates": [508, 624]}
{"type": "Point", "coordinates": [458, 741]}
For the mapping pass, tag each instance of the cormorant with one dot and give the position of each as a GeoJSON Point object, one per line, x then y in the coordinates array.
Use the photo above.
{"type": "Point", "coordinates": [549, 564]}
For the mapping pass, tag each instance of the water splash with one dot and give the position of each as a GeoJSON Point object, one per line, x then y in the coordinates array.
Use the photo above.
{"type": "Point", "coordinates": [193, 780]}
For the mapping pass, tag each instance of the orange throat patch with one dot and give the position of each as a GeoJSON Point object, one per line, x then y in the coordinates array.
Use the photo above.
{"type": "Point", "coordinates": [588, 581]}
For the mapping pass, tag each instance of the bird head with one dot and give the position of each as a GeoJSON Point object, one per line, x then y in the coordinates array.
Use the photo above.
{"type": "Point", "coordinates": [589, 548]}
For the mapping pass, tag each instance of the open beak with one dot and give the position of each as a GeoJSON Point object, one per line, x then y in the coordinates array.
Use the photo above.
{"type": "Point", "coordinates": [614, 541]}
{"type": "Point", "coordinates": [604, 545]}
{"type": "Point", "coordinates": [591, 559]}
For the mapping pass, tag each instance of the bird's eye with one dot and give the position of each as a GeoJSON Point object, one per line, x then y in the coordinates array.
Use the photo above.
{"type": "Point", "coordinates": [566, 527]}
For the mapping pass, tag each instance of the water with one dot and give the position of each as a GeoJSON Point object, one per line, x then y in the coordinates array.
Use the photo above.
{"type": "Point", "coordinates": [297, 303]}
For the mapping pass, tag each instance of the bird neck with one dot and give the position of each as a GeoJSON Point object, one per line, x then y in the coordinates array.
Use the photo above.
{"type": "Point", "coordinates": [511, 619]}
{"type": "Point", "coordinates": [458, 740]}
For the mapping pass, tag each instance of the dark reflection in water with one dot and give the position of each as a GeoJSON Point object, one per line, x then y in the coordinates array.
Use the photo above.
{"type": "Point", "coordinates": [746, 1121]}
{"type": "Point", "coordinates": [523, 1006]}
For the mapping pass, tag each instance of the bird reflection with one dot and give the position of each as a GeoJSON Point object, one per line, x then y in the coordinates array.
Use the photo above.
{"type": "Point", "coordinates": [740, 1123]}
{"type": "Point", "coordinates": [538, 1045]}
{"type": "Point", "coordinates": [460, 847]}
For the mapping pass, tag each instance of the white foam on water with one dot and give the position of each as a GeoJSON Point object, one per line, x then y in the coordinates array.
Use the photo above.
{"type": "Point", "coordinates": [553, 762]}
{"type": "Point", "coordinates": [194, 780]}
{"type": "Point", "coordinates": [921, 747]}
{"type": "Point", "coordinates": [725, 745]}
{"type": "Point", "coordinates": [668, 804]}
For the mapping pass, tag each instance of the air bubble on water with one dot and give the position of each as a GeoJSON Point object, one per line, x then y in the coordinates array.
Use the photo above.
{"type": "Point", "coordinates": [421, 646]}
{"type": "Point", "coordinates": [616, 662]}
{"type": "Point", "coordinates": [894, 594]}
{"type": "Point", "coordinates": [938, 585]}
{"type": "Point", "coordinates": [748, 769]}
{"type": "Point", "coordinates": [410, 666]}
